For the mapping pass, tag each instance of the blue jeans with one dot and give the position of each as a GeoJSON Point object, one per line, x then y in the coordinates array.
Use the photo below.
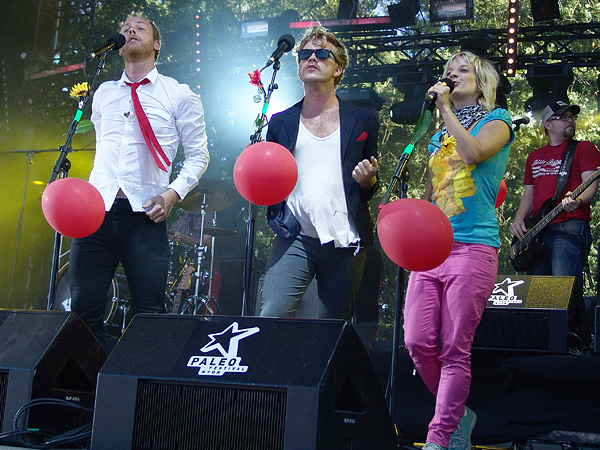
{"type": "Point", "coordinates": [142, 248]}
{"type": "Point", "coordinates": [568, 244]}
{"type": "Point", "coordinates": [292, 265]}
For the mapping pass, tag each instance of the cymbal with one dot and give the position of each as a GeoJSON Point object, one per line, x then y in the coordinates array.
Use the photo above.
{"type": "Point", "coordinates": [219, 195]}
{"type": "Point", "coordinates": [216, 231]}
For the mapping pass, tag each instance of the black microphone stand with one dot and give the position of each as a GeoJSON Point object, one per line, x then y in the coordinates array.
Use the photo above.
{"type": "Point", "coordinates": [261, 122]}
{"type": "Point", "coordinates": [61, 170]}
{"type": "Point", "coordinates": [401, 174]}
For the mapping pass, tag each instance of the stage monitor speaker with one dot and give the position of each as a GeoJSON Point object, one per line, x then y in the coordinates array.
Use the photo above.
{"type": "Point", "coordinates": [217, 382]}
{"type": "Point", "coordinates": [597, 329]}
{"type": "Point", "coordinates": [47, 354]}
{"type": "Point", "coordinates": [532, 313]}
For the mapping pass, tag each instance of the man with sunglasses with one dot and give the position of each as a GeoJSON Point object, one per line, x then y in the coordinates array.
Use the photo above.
{"type": "Point", "coordinates": [567, 238]}
{"type": "Point", "coordinates": [324, 225]}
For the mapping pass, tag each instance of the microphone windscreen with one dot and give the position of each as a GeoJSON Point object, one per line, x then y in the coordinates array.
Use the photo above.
{"type": "Point", "coordinates": [287, 39]}
{"type": "Point", "coordinates": [448, 82]}
{"type": "Point", "coordinates": [118, 39]}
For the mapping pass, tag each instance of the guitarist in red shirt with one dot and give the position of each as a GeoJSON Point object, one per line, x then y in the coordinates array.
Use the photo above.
{"type": "Point", "coordinates": [557, 240]}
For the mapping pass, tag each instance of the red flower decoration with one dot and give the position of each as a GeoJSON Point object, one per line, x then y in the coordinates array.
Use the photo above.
{"type": "Point", "coordinates": [255, 78]}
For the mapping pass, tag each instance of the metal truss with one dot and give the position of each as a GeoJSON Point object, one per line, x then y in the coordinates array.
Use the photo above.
{"type": "Point", "coordinates": [371, 51]}
{"type": "Point", "coordinates": [64, 28]}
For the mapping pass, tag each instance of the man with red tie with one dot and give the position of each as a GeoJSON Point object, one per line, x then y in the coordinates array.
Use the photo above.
{"type": "Point", "coordinates": [140, 120]}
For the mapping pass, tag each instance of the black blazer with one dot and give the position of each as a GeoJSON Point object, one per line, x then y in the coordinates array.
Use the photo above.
{"type": "Point", "coordinates": [359, 129]}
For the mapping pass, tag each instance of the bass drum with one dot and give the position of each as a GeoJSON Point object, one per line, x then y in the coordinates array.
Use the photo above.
{"type": "Point", "coordinates": [115, 299]}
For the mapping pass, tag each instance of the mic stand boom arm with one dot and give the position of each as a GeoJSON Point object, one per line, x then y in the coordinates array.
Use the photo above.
{"type": "Point", "coordinates": [61, 170]}
{"type": "Point", "coordinates": [420, 129]}
{"type": "Point", "coordinates": [261, 122]}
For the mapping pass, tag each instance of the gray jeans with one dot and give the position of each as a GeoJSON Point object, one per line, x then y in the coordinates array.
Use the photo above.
{"type": "Point", "coordinates": [294, 262]}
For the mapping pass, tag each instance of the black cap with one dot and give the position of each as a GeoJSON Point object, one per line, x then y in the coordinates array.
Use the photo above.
{"type": "Point", "coordinates": [558, 109]}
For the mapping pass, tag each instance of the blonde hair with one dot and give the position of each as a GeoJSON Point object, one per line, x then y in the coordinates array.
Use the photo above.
{"type": "Point", "coordinates": [319, 36]}
{"type": "Point", "coordinates": [486, 77]}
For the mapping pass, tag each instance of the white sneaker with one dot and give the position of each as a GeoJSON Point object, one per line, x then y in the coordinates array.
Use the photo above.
{"type": "Point", "coordinates": [461, 438]}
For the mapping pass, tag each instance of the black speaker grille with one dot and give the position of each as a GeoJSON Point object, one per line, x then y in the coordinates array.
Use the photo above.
{"type": "Point", "coordinates": [514, 329]}
{"type": "Point", "coordinates": [3, 392]}
{"type": "Point", "coordinates": [191, 416]}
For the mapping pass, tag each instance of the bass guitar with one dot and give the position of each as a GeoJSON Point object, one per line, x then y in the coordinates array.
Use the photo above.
{"type": "Point", "coordinates": [523, 251]}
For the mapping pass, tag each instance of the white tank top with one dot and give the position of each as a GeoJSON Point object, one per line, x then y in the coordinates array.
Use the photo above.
{"type": "Point", "coordinates": [318, 201]}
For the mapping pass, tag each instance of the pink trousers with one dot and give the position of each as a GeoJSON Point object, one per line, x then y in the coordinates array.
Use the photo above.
{"type": "Point", "coordinates": [445, 304]}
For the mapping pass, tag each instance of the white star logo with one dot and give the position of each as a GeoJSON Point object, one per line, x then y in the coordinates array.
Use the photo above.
{"type": "Point", "coordinates": [510, 287]}
{"type": "Point", "coordinates": [232, 334]}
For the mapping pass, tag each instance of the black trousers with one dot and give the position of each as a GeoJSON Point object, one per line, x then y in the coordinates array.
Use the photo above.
{"type": "Point", "coordinates": [125, 237]}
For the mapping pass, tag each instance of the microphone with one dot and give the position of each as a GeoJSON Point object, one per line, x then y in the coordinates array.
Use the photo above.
{"type": "Point", "coordinates": [522, 121]}
{"type": "Point", "coordinates": [431, 98]}
{"type": "Point", "coordinates": [285, 44]}
{"type": "Point", "coordinates": [114, 42]}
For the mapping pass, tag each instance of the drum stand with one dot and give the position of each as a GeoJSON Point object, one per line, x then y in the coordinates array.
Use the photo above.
{"type": "Point", "coordinates": [196, 301]}
{"type": "Point", "coordinates": [123, 305]}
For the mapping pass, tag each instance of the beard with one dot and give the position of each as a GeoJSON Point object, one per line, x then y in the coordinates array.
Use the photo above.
{"type": "Point", "coordinates": [569, 132]}
{"type": "Point", "coordinates": [137, 54]}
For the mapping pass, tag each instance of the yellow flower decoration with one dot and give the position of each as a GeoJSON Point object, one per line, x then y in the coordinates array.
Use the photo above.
{"type": "Point", "coordinates": [448, 146]}
{"type": "Point", "coordinates": [451, 178]}
{"type": "Point", "coordinates": [79, 90]}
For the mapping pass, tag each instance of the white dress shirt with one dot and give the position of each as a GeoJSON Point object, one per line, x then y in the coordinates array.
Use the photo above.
{"type": "Point", "coordinates": [123, 160]}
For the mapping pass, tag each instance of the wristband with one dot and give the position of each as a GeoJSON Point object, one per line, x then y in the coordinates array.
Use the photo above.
{"type": "Point", "coordinates": [580, 202]}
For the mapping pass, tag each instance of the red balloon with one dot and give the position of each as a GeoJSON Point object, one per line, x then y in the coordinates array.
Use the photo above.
{"type": "Point", "coordinates": [415, 234]}
{"type": "Point", "coordinates": [73, 207]}
{"type": "Point", "coordinates": [501, 194]}
{"type": "Point", "coordinates": [265, 173]}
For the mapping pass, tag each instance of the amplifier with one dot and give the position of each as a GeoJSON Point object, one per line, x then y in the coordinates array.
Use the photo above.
{"type": "Point", "coordinates": [532, 313]}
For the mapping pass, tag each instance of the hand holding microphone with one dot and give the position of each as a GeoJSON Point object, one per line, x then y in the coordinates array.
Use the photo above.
{"type": "Point", "coordinates": [429, 102]}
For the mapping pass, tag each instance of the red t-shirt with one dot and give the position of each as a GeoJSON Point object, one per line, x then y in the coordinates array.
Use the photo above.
{"type": "Point", "coordinates": [542, 169]}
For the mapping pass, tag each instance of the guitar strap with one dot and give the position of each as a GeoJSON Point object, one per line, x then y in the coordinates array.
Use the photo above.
{"type": "Point", "coordinates": [565, 168]}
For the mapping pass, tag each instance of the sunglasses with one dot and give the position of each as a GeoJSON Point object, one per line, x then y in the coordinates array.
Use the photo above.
{"type": "Point", "coordinates": [321, 53]}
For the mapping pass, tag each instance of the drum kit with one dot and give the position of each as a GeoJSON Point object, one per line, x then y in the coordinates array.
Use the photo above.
{"type": "Point", "coordinates": [192, 269]}
{"type": "Point", "coordinates": [190, 278]}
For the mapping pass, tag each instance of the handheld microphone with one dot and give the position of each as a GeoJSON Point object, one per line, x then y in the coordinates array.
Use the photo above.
{"type": "Point", "coordinates": [285, 44]}
{"type": "Point", "coordinates": [522, 121]}
{"type": "Point", "coordinates": [114, 42]}
{"type": "Point", "coordinates": [431, 98]}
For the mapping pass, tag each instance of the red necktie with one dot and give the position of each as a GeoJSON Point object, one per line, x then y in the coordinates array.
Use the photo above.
{"type": "Point", "coordinates": [149, 137]}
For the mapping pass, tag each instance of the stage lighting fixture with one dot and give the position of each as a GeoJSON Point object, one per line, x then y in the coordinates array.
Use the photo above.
{"type": "Point", "coordinates": [362, 97]}
{"type": "Point", "coordinates": [402, 14]}
{"type": "Point", "coordinates": [252, 29]}
{"type": "Point", "coordinates": [347, 9]}
{"type": "Point", "coordinates": [550, 83]}
{"type": "Point", "coordinates": [445, 10]}
{"type": "Point", "coordinates": [478, 43]}
{"type": "Point", "coordinates": [544, 10]}
{"type": "Point", "coordinates": [197, 27]}
{"type": "Point", "coordinates": [272, 27]}
{"type": "Point", "coordinates": [414, 86]}
{"type": "Point", "coordinates": [511, 41]}
{"type": "Point", "coordinates": [502, 91]}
